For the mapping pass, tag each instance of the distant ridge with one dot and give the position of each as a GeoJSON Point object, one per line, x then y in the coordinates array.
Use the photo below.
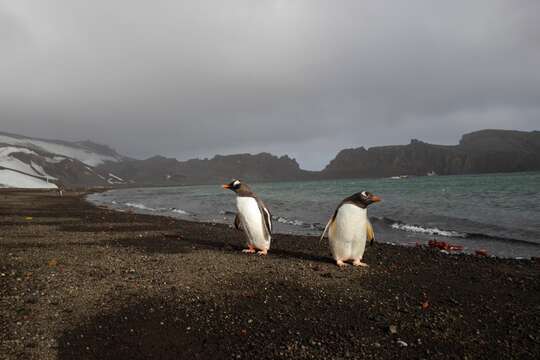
{"type": "Point", "coordinates": [85, 163]}
{"type": "Point", "coordinates": [159, 170]}
{"type": "Point", "coordinates": [484, 151]}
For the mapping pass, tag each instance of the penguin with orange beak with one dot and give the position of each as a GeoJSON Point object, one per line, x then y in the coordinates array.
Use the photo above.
{"type": "Point", "coordinates": [253, 218]}
{"type": "Point", "coordinates": [349, 229]}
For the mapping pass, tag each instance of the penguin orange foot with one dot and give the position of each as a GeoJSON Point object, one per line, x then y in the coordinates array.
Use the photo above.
{"type": "Point", "coordinates": [358, 262]}
{"type": "Point", "coordinates": [262, 252]}
{"type": "Point", "coordinates": [249, 250]}
{"type": "Point", "coordinates": [340, 263]}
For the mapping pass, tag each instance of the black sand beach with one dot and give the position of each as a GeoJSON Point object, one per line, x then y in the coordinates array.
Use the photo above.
{"type": "Point", "coordinates": [82, 282]}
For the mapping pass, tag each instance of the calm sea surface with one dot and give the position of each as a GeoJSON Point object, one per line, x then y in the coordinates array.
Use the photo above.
{"type": "Point", "coordinates": [496, 212]}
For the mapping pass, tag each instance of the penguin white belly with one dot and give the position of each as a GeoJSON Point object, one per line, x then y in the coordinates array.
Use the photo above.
{"type": "Point", "coordinates": [347, 234]}
{"type": "Point", "coordinates": [252, 222]}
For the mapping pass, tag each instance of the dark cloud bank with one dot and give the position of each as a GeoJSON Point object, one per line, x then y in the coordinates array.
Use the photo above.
{"type": "Point", "coordinates": [195, 78]}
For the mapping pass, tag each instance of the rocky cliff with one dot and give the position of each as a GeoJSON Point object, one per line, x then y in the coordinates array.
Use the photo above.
{"type": "Point", "coordinates": [483, 151]}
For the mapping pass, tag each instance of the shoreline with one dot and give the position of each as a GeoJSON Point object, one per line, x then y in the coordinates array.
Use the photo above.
{"type": "Point", "coordinates": [78, 280]}
{"type": "Point", "coordinates": [467, 243]}
{"type": "Point", "coordinates": [416, 244]}
{"type": "Point", "coordinates": [389, 177]}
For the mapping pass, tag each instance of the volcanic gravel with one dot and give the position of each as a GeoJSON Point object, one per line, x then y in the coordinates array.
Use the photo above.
{"type": "Point", "coordinates": [84, 282]}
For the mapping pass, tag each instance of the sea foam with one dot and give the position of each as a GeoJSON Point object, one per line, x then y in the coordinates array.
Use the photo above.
{"type": "Point", "coordinates": [139, 206]}
{"type": "Point", "coordinates": [430, 231]}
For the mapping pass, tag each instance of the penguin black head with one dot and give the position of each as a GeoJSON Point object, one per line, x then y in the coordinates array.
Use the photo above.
{"type": "Point", "coordinates": [364, 199]}
{"type": "Point", "coordinates": [238, 187]}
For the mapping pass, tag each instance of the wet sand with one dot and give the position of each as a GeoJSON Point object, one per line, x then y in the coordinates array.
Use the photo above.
{"type": "Point", "coordinates": [82, 282]}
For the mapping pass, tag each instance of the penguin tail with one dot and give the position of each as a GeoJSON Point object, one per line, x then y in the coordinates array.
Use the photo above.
{"type": "Point", "coordinates": [326, 229]}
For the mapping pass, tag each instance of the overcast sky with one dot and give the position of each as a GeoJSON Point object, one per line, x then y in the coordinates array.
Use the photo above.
{"type": "Point", "coordinates": [304, 77]}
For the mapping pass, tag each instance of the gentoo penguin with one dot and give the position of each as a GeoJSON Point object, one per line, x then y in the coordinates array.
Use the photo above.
{"type": "Point", "coordinates": [253, 218]}
{"type": "Point", "coordinates": [349, 229]}
{"type": "Point", "coordinates": [60, 189]}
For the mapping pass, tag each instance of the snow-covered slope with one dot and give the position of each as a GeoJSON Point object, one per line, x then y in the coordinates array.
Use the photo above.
{"type": "Point", "coordinates": [36, 163]}
{"type": "Point", "coordinates": [13, 163]}
{"type": "Point", "coordinates": [10, 162]}
{"type": "Point", "coordinates": [82, 151]}
{"type": "Point", "coordinates": [9, 178]}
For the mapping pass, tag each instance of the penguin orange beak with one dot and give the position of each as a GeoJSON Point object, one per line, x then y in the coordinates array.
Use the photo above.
{"type": "Point", "coordinates": [375, 198]}
{"type": "Point", "coordinates": [226, 186]}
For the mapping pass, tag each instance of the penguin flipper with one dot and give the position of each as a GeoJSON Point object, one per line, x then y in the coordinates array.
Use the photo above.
{"type": "Point", "coordinates": [330, 222]}
{"type": "Point", "coordinates": [370, 233]}
{"type": "Point", "coordinates": [237, 223]}
{"type": "Point", "coordinates": [267, 217]}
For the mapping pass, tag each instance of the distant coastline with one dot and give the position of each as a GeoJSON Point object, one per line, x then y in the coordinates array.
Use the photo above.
{"type": "Point", "coordinates": [86, 164]}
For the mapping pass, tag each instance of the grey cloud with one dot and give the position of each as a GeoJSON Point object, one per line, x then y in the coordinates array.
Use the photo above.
{"type": "Point", "coordinates": [194, 78]}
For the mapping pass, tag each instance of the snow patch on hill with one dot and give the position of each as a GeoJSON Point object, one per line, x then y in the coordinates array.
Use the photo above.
{"type": "Point", "coordinates": [55, 159]}
{"type": "Point", "coordinates": [83, 155]}
{"type": "Point", "coordinates": [10, 162]}
{"type": "Point", "coordinates": [13, 179]}
{"type": "Point", "coordinates": [113, 179]}
{"type": "Point", "coordinates": [7, 160]}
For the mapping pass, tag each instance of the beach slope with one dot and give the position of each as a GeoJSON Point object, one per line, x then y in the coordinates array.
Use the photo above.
{"type": "Point", "coordinates": [82, 282]}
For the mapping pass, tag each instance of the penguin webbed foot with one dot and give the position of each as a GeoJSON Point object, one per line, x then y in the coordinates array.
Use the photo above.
{"type": "Point", "coordinates": [340, 263]}
{"type": "Point", "coordinates": [249, 250]}
{"type": "Point", "coordinates": [359, 262]}
{"type": "Point", "coordinates": [262, 252]}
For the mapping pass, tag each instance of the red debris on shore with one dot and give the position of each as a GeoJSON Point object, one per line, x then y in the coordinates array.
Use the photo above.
{"type": "Point", "coordinates": [481, 252]}
{"type": "Point", "coordinates": [443, 245]}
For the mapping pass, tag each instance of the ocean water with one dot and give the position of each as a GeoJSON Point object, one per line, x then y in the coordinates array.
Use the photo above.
{"type": "Point", "coordinates": [499, 213]}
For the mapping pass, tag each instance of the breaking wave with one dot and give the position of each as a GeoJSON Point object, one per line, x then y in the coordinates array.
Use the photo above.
{"type": "Point", "coordinates": [179, 211]}
{"type": "Point", "coordinates": [452, 233]}
{"type": "Point", "coordinates": [139, 206]}
{"type": "Point", "coordinates": [429, 231]}
{"type": "Point", "coordinates": [298, 223]}
{"type": "Point", "coordinates": [147, 208]}
{"type": "Point", "coordinates": [293, 222]}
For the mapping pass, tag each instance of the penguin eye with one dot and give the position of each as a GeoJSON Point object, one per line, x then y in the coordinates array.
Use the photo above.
{"type": "Point", "coordinates": [236, 184]}
{"type": "Point", "coordinates": [364, 194]}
